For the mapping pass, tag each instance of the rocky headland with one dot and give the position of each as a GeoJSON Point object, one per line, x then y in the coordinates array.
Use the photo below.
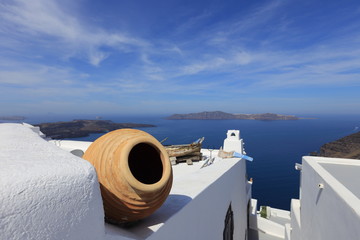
{"type": "Point", "coordinates": [216, 115]}
{"type": "Point", "coordinates": [346, 147]}
{"type": "Point", "coordinates": [82, 128]}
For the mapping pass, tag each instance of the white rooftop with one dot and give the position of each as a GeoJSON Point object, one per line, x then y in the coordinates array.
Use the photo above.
{"type": "Point", "coordinates": [189, 182]}
{"type": "Point", "coordinates": [47, 192]}
{"type": "Point", "coordinates": [341, 175]}
{"type": "Point", "coordinates": [345, 173]}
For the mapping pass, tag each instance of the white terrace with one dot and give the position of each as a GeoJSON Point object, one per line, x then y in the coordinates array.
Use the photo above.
{"type": "Point", "coordinates": [49, 193]}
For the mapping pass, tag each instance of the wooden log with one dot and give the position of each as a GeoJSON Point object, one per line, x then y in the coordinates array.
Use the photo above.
{"type": "Point", "coordinates": [191, 157]}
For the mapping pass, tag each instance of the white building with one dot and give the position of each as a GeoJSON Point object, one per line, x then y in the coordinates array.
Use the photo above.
{"type": "Point", "coordinates": [48, 193]}
{"type": "Point", "coordinates": [329, 204]}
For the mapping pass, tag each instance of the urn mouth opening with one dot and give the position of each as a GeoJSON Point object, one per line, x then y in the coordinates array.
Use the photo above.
{"type": "Point", "coordinates": [145, 163]}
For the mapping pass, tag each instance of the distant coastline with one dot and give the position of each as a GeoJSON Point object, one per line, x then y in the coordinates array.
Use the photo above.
{"type": "Point", "coordinates": [82, 128]}
{"type": "Point", "coordinates": [12, 118]}
{"type": "Point", "coordinates": [219, 115]}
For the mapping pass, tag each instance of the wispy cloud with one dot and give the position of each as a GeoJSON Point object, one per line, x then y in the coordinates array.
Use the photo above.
{"type": "Point", "coordinates": [193, 22]}
{"type": "Point", "coordinates": [46, 22]}
{"type": "Point", "coordinates": [259, 16]}
{"type": "Point", "coordinates": [217, 63]}
{"type": "Point", "coordinates": [51, 52]}
{"type": "Point", "coordinates": [20, 74]}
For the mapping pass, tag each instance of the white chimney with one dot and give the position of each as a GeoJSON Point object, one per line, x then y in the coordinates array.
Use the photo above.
{"type": "Point", "coordinates": [233, 142]}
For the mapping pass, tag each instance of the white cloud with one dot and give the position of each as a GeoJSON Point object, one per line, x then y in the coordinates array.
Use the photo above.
{"type": "Point", "coordinates": [217, 63]}
{"type": "Point", "coordinates": [36, 75]}
{"type": "Point", "coordinates": [96, 57]}
{"type": "Point", "coordinates": [193, 22]}
{"type": "Point", "coordinates": [38, 20]}
{"type": "Point", "coordinates": [241, 29]}
{"type": "Point", "coordinates": [34, 17]}
{"type": "Point", "coordinates": [257, 17]}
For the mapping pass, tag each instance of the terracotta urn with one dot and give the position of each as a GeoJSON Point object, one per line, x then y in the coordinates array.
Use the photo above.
{"type": "Point", "coordinates": [134, 172]}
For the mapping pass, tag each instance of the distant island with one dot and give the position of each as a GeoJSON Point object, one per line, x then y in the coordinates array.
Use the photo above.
{"type": "Point", "coordinates": [12, 118]}
{"type": "Point", "coordinates": [82, 128]}
{"type": "Point", "coordinates": [217, 115]}
{"type": "Point", "coordinates": [346, 147]}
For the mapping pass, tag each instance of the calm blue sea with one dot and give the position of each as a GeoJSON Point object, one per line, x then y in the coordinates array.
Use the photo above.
{"type": "Point", "coordinates": [275, 145]}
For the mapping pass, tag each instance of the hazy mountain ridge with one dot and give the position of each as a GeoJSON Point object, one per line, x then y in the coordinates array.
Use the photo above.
{"type": "Point", "coordinates": [12, 118]}
{"type": "Point", "coordinates": [82, 128]}
{"type": "Point", "coordinates": [223, 115]}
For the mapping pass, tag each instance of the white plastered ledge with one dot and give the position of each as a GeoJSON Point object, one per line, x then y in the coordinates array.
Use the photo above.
{"type": "Point", "coordinates": [45, 192]}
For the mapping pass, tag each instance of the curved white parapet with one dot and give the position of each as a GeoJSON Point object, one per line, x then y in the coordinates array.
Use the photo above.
{"type": "Point", "coordinates": [70, 145]}
{"type": "Point", "coordinates": [46, 193]}
{"type": "Point", "coordinates": [78, 148]}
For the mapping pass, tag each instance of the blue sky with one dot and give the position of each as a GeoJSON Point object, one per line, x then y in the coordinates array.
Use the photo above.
{"type": "Point", "coordinates": [163, 57]}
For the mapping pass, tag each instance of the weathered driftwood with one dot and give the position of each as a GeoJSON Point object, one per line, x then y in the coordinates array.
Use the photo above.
{"type": "Point", "coordinates": [186, 152]}
{"type": "Point", "coordinates": [182, 150]}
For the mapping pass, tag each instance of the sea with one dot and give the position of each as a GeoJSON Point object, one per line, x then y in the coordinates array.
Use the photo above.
{"type": "Point", "coordinates": [275, 145]}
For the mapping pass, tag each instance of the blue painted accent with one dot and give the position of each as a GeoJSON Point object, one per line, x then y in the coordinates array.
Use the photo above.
{"type": "Point", "coordinates": [239, 155]}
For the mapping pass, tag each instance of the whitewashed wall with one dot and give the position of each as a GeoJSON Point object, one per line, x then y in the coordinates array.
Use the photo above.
{"type": "Point", "coordinates": [330, 213]}
{"type": "Point", "coordinates": [46, 193]}
{"type": "Point", "coordinates": [203, 217]}
{"type": "Point", "coordinates": [295, 220]}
